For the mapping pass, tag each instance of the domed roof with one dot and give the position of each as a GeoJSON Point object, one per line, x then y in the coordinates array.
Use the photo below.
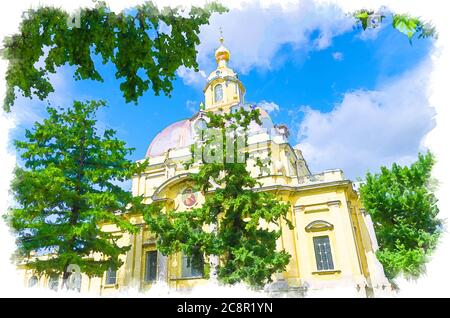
{"type": "Point", "coordinates": [266, 121]}
{"type": "Point", "coordinates": [177, 135]}
{"type": "Point", "coordinates": [181, 134]}
{"type": "Point", "coordinates": [222, 53]}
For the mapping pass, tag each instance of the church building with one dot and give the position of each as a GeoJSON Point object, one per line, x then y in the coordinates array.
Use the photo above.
{"type": "Point", "coordinates": [332, 244]}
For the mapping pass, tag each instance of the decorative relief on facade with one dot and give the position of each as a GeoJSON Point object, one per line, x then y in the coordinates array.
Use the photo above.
{"type": "Point", "coordinates": [335, 203]}
{"type": "Point", "coordinates": [319, 225]}
{"type": "Point", "coordinates": [188, 197]}
{"type": "Point", "coordinates": [312, 178]}
{"type": "Point", "coordinates": [317, 207]}
{"type": "Point", "coordinates": [312, 208]}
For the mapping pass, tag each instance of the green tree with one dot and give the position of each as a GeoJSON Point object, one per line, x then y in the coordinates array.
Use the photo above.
{"type": "Point", "coordinates": [403, 208]}
{"type": "Point", "coordinates": [68, 188]}
{"type": "Point", "coordinates": [403, 23]}
{"type": "Point", "coordinates": [227, 225]}
{"type": "Point", "coordinates": [134, 41]}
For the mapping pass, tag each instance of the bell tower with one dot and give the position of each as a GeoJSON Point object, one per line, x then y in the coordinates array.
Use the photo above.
{"type": "Point", "coordinates": [223, 88]}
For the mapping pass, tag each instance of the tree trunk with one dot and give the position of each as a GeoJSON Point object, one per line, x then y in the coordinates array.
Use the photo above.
{"type": "Point", "coordinates": [66, 275]}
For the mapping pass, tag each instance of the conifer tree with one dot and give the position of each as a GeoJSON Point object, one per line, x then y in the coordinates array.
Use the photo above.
{"type": "Point", "coordinates": [231, 223]}
{"type": "Point", "coordinates": [68, 187]}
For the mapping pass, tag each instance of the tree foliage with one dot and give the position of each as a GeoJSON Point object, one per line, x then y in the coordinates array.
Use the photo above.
{"type": "Point", "coordinates": [404, 211]}
{"type": "Point", "coordinates": [68, 188]}
{"type": "Point", "coordinates": [403, 23]}
{"type": "Point", "coordinates": [136, 41]}
{"type": "Point", "coordinates": [246, 250]}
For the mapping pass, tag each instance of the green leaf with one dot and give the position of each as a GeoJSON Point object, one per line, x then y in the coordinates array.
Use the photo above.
{"type": "Point", "coordinates": [363, 16]}
{"type": "Point", "coordinates": [406, 24]}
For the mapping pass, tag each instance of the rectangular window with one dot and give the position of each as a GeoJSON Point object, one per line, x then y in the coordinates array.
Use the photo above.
{"type": "Point", "coordinates": [322, 249]}
{"type": "Point", "coordinates": [111, 276]}
{"type": "Point", "coordinates": [191, 267]}
{"type": "Point", "coordinates": [151, 265]}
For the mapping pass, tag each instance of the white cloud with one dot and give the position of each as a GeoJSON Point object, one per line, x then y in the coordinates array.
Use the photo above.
{"type": "Point", "coordinates": [191, 77]}
{"type": "Point", "coordinates": [255, 32]}
{"type": "Point", "coordinates": [338, 56]}
{"type": "Point", "coordinates": [192, 106]}
{"type": "Point", "coordinates": [26, 111]}
{"type": "Point", "coordinates": [269, 106]}
{"type": "Point", "coordinates": [370, 128]}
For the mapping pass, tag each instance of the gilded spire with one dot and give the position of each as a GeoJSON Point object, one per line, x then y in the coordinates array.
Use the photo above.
{"type": "Point", "coordinates": [221, 36]}
{"type": "Point", "coordinates": [222, 53]}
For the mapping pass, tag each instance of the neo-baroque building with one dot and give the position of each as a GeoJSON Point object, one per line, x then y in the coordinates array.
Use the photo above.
{"type": "Point", "coordinates": [332, 243]}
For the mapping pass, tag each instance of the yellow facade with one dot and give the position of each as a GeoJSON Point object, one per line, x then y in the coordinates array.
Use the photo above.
{"type": "Point", "coordinates": [332, 243]}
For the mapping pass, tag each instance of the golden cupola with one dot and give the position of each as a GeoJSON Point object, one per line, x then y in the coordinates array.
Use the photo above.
{"type": "Point", "coordinates": [223, 88]}
{"type": "Point", "coordinates": [222, 54]}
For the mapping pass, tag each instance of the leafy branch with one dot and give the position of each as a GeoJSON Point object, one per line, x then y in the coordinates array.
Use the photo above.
{"type": "Point", "coordinates": [403, 23]}
{"type": "Point", "coordinates": [132, 40]}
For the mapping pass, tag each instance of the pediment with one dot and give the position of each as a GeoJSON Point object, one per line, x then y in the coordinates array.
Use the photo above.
{"type": "Point", "coordinates": [319, 225]}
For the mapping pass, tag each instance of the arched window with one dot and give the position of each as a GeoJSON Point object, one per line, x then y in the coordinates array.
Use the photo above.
{"type": "Point", "coordinates": [199, 129]}
{"type": "Point", "coordinates": [218, 93]}
{"type": "Point", "coordinates": [33, 281]}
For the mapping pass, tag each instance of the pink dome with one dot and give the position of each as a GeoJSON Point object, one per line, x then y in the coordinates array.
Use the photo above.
{"type": "Point", "coordinates": [177, 135]}
{"type": "Point", "coordinates": [181, 134]}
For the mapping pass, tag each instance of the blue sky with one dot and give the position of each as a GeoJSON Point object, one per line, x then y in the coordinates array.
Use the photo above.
{"type": "Point", "coordinates": [315, 70]}
{"type": "Point", "coordinates": [319, 80]}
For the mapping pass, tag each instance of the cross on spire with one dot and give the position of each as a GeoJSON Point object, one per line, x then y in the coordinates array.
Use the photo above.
{"type": "Point", "coordinates": [221, 35]}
